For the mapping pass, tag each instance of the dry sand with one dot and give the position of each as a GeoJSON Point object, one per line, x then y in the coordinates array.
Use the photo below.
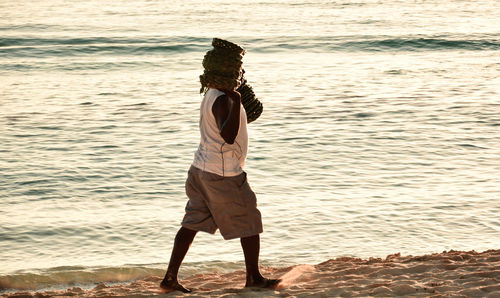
{"type": "Point", "coordinates": [446, 274]}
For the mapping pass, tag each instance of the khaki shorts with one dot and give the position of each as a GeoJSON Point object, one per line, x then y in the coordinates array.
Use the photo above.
{"type": "Point", "coordinates": [226, 203]}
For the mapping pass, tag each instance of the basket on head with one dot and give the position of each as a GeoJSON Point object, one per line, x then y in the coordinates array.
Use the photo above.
{"type": "Point", "coordinates": [222, 66]}
{"type": "Point", "coordinates": [224, 44]}
{"type": "Point", "coordinates": [253, 107]}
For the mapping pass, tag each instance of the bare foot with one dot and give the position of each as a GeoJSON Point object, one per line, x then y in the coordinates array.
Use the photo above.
{"type": "Point", "coordinates": [263, 283]}
{"type": "Point", "coordinates": [169, 285]}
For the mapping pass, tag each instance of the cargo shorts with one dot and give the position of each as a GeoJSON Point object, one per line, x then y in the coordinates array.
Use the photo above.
{"type": "Point", "coordinates": [224, 203]}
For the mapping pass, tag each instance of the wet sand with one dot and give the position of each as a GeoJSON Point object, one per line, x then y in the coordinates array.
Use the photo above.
{"type": "Point", "coordinates": [446, 274]}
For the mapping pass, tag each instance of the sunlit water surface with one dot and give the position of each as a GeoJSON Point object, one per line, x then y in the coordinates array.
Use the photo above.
{"type": "Point", "coordinates": [380, 131]}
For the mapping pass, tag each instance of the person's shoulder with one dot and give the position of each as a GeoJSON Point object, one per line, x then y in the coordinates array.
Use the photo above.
{"type": "Point", "coordinates": [212, 92]}
{"type": "Point", "coordinates": [216, 97]}
{"type": "Point", "coordinates": [220, 104]}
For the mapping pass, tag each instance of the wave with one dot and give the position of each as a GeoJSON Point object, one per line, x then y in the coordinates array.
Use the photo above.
{"type": "Point", "coordinates": [85, 276]}
{"type": "Point", "coordinates": [31, 41]}
{"type": "Point", "coordinates": [370, 43]}
{"type": "Point", "coordinates": [46, 47]}
{"type": "Point", "coordinates": [61, 277]}
{"type": "Point", "coordinates": [424, 43]}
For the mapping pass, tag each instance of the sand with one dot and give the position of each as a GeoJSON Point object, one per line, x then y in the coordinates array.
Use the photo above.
{"type": "Point", "coordinates": [446, 274]}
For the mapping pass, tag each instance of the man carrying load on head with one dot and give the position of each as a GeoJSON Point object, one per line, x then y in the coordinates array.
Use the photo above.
{"type": "Point", "coordinates": [219, 194]}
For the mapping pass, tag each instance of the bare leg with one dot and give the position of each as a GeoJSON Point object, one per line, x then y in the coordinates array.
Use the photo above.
{"type": "Point", "coordinates": [251, 250]}
{"type": "Point", "coordinates": [183, 241]}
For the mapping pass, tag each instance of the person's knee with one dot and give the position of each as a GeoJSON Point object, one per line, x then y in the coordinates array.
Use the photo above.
{"type": "Point", "coordinates": [185, 233]}
{"type": "Point", "coordinates": [250, 238]}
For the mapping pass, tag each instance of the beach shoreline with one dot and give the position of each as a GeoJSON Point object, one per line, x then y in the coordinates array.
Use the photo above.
{"type": "Point", "coordinates": [450, 273]}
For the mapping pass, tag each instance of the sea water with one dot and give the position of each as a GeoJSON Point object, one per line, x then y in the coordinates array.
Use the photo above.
{"type": "Point", "coordinates": [380, 131]}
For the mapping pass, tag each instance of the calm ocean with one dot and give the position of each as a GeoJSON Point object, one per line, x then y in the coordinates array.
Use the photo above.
{"type": "Point", "coordinates": [380, 132]}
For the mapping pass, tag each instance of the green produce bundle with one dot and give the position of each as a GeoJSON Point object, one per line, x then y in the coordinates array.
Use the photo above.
{"type": "Point", "coordinates": [223, 70]}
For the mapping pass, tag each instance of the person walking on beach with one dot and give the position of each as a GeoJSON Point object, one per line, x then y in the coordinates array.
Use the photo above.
{"type": "Point", "coordinates": [217, 187]}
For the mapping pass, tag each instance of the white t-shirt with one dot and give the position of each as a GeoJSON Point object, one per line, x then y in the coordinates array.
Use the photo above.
{"type": "Point", "coordinates": [214, 155]}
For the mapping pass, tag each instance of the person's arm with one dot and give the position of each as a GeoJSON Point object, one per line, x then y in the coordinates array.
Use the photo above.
{"type": "Point", "coordinates": [226, 110]}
